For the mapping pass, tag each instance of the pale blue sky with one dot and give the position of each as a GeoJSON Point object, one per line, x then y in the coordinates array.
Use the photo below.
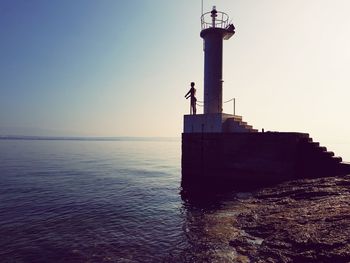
{"type": "Point", "coordinates": [121, 68]}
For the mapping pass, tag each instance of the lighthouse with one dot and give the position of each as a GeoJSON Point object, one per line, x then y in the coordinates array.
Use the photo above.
{"type": "Point", "coordinates": [215, 28]}
{"type": "Point", "coordinates": [220, 150]}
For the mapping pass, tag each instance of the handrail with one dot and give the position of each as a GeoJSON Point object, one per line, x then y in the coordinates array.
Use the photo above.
{"type": "Point", "coordinates": [201, 104]}
{"type": "Point", "coordinates": [221, 20]}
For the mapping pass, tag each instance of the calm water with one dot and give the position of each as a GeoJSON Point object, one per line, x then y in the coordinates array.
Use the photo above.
{"type": "Point", "coordinates": [104, 201]}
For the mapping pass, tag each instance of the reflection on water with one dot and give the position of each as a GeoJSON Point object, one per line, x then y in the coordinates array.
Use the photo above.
{"type": "Point", "coordinates": [208, 230]}
{"type": "Point", "coordinates": [107, 201]}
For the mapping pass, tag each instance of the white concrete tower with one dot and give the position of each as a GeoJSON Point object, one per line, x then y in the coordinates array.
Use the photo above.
{"type": "Point", "coordinates": [215, 28]}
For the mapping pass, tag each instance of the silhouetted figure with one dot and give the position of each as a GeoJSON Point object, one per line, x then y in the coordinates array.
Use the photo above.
{"type": "Point", "coordinates": [192, 93]}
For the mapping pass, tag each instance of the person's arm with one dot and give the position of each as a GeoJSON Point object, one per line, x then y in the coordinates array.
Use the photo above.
{"type": "Point", "coordinates": [188, 93]}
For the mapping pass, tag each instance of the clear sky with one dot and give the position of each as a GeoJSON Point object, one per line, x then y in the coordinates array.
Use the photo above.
{"type": "Point", "coordinates": [121, 68]}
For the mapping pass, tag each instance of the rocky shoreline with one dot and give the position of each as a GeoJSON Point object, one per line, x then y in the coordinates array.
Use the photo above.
{"type": "Point", "coordinates": [298, 221]}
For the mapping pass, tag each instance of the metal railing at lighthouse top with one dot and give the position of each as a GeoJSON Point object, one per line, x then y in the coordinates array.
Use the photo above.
{"type": "Point", "coordinates": [215, 19]}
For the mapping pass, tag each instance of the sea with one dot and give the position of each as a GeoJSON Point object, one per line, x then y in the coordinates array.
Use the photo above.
{"type": "Point", "coordinates": [106, 200]}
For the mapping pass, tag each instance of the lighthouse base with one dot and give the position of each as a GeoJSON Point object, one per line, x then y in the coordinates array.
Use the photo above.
{"type": "Point", "coordinates": [215, 123]}
{"type": "Point", "coordinates": [220, 160]}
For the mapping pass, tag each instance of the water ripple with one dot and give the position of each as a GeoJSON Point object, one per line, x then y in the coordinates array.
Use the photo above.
{"type": "Point", "coordinates": [98, 201]}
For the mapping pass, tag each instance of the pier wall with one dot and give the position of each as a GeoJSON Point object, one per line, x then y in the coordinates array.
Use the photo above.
{"type": "Point", "coordinates": [252, 158]}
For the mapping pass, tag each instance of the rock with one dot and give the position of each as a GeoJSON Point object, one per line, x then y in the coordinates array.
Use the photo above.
{"type": "Point", "coordinates": [299, 221]}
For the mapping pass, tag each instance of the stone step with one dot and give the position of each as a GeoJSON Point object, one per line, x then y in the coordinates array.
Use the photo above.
{"type": "Point", "coordinates": [345, 167]}
{"type": "Point", "coordinates": [306, 140]}
{"type": "Point", "coordinates": [322, 148]}
{"type": "Point", "coordinates": [242, 126]}
{"type": "Point", "coordinates": [237, 117]}
{"type": "Point", "coordinates": [315, 160]}
{"type": "Point", "coordinates": [338, 159]}
{"type": "Point", "coordinates": [314, 144]}
{"type": "Point", "coordinates": [328, 154]}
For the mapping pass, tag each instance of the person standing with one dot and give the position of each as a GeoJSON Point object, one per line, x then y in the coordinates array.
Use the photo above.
{"type": "Point", "coordinates": [192, 94]}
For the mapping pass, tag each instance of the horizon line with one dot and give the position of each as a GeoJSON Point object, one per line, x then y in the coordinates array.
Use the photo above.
{"type": "Point", "coordinates": [88, 138]}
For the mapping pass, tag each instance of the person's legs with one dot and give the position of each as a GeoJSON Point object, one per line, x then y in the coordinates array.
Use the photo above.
{"type": "Point", "coordinates": [193, 106]}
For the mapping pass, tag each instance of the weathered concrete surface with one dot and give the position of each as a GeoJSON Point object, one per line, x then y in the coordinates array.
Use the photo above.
{"type": "Point", "coordinates": [253, 159]}
{"type": "Point", "coordinates": [299, 221]}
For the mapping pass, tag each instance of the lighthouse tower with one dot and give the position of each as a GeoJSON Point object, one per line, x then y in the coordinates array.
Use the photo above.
{"type": "Point", "coordinates": [215, 29]}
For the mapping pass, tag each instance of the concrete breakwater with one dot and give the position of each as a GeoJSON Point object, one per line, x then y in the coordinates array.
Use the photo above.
{"type": "Point", "coordinates": [253, 159]}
